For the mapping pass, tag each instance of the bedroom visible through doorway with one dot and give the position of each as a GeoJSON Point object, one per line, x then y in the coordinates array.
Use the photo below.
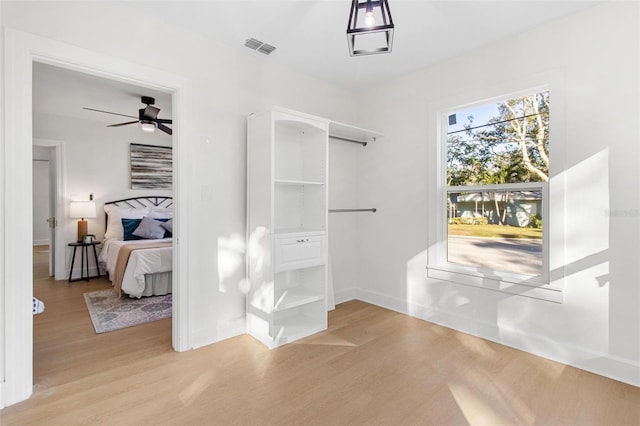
{"type": "Point", "coordinates": [95, 160]}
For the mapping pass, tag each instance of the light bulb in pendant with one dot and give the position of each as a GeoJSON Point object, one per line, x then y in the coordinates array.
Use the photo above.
{"type": "Point", "coordinates": [369, 20]}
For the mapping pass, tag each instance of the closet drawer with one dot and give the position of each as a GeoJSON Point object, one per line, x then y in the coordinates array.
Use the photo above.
{"type": "Point", "coordinates": [293, 252]}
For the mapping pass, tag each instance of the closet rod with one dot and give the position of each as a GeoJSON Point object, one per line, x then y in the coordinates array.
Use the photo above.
{"type": "Point", "coordinates": [352, 210]}
{"type": "Point", "coordinates": [340, 138]}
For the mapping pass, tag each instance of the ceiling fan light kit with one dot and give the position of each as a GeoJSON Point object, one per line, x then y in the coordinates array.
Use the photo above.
{"type": "Point", "coordinates": [147, 126]}
{"type": "Point", "coordinates": [370, 27]}
{"type": "Point", "coordinates": [147, 117]}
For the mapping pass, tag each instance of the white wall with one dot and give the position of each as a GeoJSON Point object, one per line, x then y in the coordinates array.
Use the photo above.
{"type": "Point", "coordinates": [227, 85]}
{"type": "Point", "coordinates": [598, 322]}
{"type": "Point", "coordinates": [598, 325]}
{"type": "Point", "coordinates": [343, 227]}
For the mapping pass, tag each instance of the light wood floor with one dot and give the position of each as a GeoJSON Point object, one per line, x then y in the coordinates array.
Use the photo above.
{"type": "Point", "coordinates": [372, 366]}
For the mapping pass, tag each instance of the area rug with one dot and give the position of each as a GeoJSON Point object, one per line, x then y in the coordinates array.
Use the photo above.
{"type": "Point", "coordinates": [109, 312]}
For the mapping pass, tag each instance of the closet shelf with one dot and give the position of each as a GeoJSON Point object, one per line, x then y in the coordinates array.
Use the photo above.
{"type": "Point", "coordinates": [296, 182]}
{"type": "Point", "coordinates": [302, 232]}
{"type": "Point", "coordinates": [295, 327]}
{"type": "Point", "coordinates": [294, 297]}
{"type": "Point", "coordinates": [348, 133]}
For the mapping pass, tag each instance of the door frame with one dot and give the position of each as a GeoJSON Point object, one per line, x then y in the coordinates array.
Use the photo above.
{"type": "Point", "coordinates": [60, 195]}
{"type": "Point", "coordinates": [20, 51]}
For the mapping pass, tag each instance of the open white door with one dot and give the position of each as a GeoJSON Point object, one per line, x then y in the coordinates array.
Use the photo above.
{"type": "Point", "coordinates": [53, 217]}
{"type": "Point", "coordinates": [42, 199]}
{"type": "Point", "coordinates": [54, 153]}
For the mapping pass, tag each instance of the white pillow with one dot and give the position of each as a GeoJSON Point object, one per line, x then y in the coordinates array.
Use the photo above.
{"type": "Point", "coordinates": [115, 215]}
{"type": "Point", "coordinates": [168, 225]}
{"type": "Point", "coordinates": [161, 213]}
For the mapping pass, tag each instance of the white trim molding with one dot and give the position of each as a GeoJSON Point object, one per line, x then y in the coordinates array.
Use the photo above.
{"type": "Point", "coordinates": [20, 51]}
{"type": "Point", "coordinates": [3, 377]}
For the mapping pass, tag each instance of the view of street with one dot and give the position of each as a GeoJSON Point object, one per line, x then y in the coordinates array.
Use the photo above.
{"type": "Point", "coordinates": [518, 255]}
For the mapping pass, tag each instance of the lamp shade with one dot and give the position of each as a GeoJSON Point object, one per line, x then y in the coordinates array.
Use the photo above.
{"type": "Point", "coordinates": [82, 209]}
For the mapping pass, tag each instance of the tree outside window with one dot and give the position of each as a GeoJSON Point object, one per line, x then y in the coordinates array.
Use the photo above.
{"type": "Point", "coordinates": [497, 168]}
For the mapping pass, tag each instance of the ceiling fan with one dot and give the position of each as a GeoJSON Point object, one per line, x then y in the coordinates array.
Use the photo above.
{"type": "Point", "coordinates": [147, 117]}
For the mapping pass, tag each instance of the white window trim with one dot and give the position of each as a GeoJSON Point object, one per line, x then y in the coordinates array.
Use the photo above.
{"type": "Point", "coordinates": [549, 285]}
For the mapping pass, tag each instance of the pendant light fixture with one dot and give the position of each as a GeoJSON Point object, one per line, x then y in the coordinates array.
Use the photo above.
{"type": "Point", "coordinates": [370, 28]}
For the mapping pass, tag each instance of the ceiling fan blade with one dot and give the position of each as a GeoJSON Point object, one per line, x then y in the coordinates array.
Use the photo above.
{"type": "Point", "coordinates": [163, 120]}
{"type": "Point", "coordinates": [123, 124]}
{"type": "Point", "coordinates": [109, 112]}
{"type": "Point", "coordinates": [150, 112]}
{"type": "Point", "coordinates": [165, 128]}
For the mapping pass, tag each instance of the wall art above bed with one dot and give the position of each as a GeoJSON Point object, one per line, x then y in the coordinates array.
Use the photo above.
{"type": "Point", "coordinates": [151, 166]}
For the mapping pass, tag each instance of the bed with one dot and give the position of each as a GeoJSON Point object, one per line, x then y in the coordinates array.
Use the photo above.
{"type": "Point", "coordinates": [137, 247]}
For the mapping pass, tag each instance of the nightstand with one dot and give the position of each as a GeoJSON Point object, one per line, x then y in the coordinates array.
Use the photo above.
{"type": "Point", "coordinates": [84, 256]}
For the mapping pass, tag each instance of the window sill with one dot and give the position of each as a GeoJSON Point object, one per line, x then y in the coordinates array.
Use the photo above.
{"type": "Point", "coordinates": [518, 285]}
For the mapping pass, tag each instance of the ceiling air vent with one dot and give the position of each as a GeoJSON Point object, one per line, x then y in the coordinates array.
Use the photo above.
{"type": "Point", "coordinates": [252, 43]}
{"type": "Point", "coordinates": [266, 49]}
{"type": "Point", "coordinates": [261, 47]}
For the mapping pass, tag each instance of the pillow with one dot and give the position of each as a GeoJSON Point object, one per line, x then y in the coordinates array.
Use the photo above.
{"type": "Point", "coordinates": [168, 225]}
{"type": "Point", "coordinates": [128, 227]}
{"type": "Point", "coordinates": [164, 220]}
{"type": "Point", "coordinates": [162, 212]}
{"type": "Point", "coordinates": [115, 215]}
{"type": "Point", "coordinates": [149, 228]}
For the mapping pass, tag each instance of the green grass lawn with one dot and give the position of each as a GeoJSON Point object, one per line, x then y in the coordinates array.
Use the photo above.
{"type": "Point", "coordinates": [494, 231]}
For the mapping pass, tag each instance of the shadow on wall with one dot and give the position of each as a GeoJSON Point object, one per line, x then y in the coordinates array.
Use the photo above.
{"type": "Point", "coordinates": [231, 252]}
{"type": "Point", "coordinates": [231, 279]}
{"type": "Point", "coordinates": [580, 261]}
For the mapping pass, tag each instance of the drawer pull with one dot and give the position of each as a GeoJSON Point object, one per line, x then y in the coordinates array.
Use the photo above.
{"type": "Point", "coordinates": [303, 240]}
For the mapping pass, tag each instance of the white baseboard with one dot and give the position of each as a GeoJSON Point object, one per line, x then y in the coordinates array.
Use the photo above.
{"type": "Point", "coordinates": [623, 370]}
{"type": "Point", "coordinates": [345, 295]}
{"type": "Point", "coordinates": [224, 330]}
{"type": "Point", "coordinates": [40, 242]}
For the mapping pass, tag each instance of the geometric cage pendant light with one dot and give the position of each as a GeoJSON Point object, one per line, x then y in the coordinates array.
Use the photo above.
{"type": "Point", "coordinates": [370, 28]}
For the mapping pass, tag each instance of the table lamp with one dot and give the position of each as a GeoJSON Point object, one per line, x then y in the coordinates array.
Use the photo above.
{"type": "Point", "coordinates": [82, 210]}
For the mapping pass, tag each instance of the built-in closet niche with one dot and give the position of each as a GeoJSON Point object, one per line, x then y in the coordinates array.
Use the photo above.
{"type": "Point", "coordinates": [287, 224]}
{"type": "Point", "coordinates": [348, 145]}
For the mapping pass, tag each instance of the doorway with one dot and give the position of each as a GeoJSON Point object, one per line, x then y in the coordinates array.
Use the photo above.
{"type": "Point", "coordinates": [47, 203]}
{"type": "Point", "coordinates": [43, 215]}
{"type": "Point", "coordinates": [21, 51]}
{"type": "Point", "coordinates": [80, 109]}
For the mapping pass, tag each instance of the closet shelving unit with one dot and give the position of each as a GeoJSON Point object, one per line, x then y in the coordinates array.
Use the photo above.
{"type": "Point", "coordinates": [349, 133]}
{"type": "Point", "coordinates": [287, 224]}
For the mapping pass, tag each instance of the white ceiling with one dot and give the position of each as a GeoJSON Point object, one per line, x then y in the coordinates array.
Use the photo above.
{"type": "Point", "coordinates": [64, 92]}
{"type": "Point", "coordinates": [310, 37]}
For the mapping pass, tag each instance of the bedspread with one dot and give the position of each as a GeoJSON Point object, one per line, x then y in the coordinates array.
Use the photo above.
{"type": "Point", "coordinates": [156, 258]}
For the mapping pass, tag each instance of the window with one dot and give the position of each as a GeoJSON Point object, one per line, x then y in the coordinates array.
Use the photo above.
{"type": "Point", "coordinates": [493, 194]}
